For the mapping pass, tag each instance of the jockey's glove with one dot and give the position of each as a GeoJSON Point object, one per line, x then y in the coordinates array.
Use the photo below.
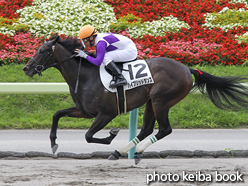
{"type": "Point", "coordinates": [81, 53]}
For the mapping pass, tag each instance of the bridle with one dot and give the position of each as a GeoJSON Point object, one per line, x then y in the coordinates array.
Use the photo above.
{"type": "Point", "coordinates": [42, 66]}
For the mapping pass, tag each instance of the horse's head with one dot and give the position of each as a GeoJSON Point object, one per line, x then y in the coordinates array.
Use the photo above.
{"type": "Point", "coordinates": [43, 58]}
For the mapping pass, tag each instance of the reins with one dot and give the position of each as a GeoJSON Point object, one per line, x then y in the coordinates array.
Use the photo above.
{"type": "Point", "coordinates": [54, 64]}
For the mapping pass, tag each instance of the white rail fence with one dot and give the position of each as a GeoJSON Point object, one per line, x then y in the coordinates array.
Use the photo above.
{"type": "Point", "coordinates": [39, 88]}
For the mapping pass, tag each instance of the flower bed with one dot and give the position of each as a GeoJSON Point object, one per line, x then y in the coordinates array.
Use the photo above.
{"type": "Point", "coordinates": [20, 48]}
{"type": "Point", "coordinates": [233, 49]}
{"type": "Point", "coordinates": [189, 11]}
{"type": "Point", "coordinates": [187, 30]}
{"type": "Point", "coordinates": [66, 17]}
{"type": "Point", "coordinates": [227, 19]}
{"type": "Point", "coordinates": [8, 7]}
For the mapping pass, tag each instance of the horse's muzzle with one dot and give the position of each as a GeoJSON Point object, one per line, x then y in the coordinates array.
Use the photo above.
{"type": "Point", "coordinates": [28, 71]}
{"type": "Point", "coordinates": [25, 69]}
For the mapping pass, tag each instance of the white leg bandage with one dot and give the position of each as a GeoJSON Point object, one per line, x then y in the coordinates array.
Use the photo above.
{"type": "Point", "coordinates": [128, 146]}
{"type": "Point", "coordinates": [146, 144]}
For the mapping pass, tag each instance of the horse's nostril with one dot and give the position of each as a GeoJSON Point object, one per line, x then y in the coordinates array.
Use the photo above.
{"type": "Point", "coordinates": [25, 68]}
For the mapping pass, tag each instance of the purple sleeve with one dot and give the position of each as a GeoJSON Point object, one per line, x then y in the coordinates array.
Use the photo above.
{"type": "Point", "coordinates": [100, 52]}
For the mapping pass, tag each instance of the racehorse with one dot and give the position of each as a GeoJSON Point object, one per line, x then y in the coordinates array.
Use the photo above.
{"type": "Point", "coordinates": [172, 82]}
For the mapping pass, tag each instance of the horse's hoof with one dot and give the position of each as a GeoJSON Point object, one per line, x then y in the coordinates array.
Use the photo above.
{"type": "Point", "coordinates": [114, 156]}
{"type": "Point", "coordinates": [114, 131]}
{"type": "Point", "coordinates": [136, 161]}
{"type": "Point", "coordinates": [137, 157]}
{"type": "Point", "coordinates": [55, 156]}
{"type": "Point", "coordinates": [54, 148]}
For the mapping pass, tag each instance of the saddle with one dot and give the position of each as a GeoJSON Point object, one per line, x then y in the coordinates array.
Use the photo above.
{"type": "Point", "coordinates": [119, 65]}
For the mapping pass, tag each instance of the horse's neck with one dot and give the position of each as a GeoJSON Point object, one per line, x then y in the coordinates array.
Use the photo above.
{"type": "Point", "coordinates": [69, 70]}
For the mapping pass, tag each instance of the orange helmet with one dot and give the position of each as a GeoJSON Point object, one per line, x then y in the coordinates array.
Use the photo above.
{"type": "Point", "coordinates": [87, 31]}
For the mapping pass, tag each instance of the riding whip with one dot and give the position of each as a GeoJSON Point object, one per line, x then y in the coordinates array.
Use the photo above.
{"type": "Point", "coordinates": [76, 88]}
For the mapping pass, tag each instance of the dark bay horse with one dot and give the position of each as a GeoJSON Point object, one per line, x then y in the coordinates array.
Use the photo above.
{"type": "Point", "coordinates": [172, 82]}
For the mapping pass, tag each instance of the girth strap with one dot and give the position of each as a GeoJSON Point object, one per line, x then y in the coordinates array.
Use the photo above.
{"type": "Point", "coordinates": [121, 100]}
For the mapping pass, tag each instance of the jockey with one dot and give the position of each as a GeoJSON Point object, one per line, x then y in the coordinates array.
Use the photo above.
{"type": "Point", "coordinates": [110, 48]}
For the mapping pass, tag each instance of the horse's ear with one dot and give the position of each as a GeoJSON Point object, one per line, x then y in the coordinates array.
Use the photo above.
{"type": "Point", "coordinates": [55, 39]}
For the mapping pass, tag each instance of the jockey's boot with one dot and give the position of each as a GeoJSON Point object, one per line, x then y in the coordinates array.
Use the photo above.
{"type": "Point", "coordinates": [120, 80]}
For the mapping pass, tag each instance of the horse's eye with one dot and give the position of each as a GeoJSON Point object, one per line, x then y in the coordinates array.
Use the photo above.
{"type": "Point", "coordinates": [41, 51]}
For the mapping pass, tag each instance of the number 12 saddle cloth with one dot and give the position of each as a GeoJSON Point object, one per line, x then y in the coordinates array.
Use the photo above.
{"type": "Point", "coordinates": [137, 73]}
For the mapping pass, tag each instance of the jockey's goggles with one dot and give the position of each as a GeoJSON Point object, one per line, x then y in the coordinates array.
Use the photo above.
{"type": "Point", "coordinates": [90, 39]}
{"type": "Point", "coordinates": [85, 40]}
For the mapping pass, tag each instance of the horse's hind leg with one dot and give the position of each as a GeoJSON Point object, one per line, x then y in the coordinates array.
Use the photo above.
{"type": "Point", "coordinates": [164, 130]}
{"type": "Point", "coordinates": [146, 130]}
{"type": "Point", "coordinates": [70, 112]}
{"type": "Point", "coordinates": [148, 122]}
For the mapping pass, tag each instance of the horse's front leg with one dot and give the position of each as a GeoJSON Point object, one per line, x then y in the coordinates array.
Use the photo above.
{"type": "Point", "coordinates": [99, 123]}
{"type": "Point", "coordinates": [70, 112]}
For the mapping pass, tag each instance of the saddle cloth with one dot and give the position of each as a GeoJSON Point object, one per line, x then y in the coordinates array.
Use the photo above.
{"type": "Point", "coordinates": [137, 73]}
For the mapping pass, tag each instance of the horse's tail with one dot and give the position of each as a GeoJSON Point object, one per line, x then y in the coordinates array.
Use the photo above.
{"type": "Point", "coordinates": [224, 92]}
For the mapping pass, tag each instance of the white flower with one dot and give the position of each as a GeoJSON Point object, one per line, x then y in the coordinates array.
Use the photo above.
{"type": "Point", "coordinates": [61, 13]}
{"type": "Point", "coordinates": [157, 28]}
{"type": "Point", "coordinates": [210, 17]}
{"type": "Point", "coordinates": [240, 1]}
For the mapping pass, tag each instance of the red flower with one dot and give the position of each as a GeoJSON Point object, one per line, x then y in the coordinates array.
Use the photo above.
{"type": "Point", "coordinates": [8, 8]}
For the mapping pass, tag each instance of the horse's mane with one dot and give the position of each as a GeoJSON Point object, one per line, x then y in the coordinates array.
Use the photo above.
{"type": "Point", "coordinates": [71, 43]}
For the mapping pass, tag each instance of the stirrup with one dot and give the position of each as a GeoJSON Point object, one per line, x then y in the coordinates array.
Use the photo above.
{"type": "Point", "coordinates": [117, 84]}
